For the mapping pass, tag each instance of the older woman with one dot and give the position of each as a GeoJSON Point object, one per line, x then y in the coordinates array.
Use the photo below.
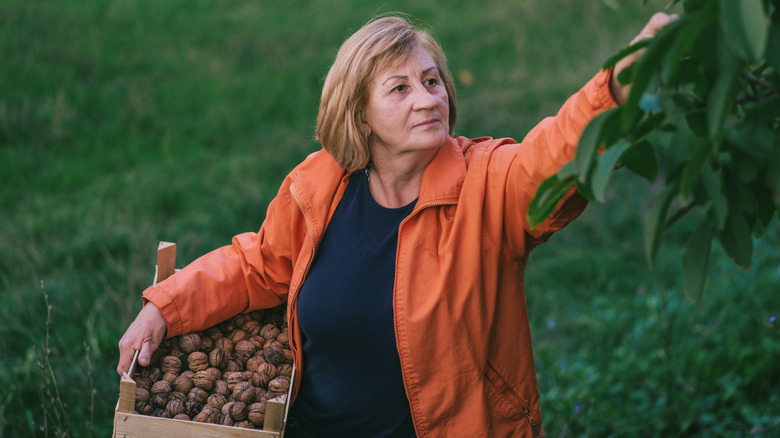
{"type": "Point", "coordinates": [399, 251]}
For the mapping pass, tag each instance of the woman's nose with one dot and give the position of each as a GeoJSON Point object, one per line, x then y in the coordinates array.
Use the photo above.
{"type": "Point", "coordinates": [424, 99]}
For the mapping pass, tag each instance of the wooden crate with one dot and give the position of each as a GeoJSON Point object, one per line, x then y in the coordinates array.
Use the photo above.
{"type": "Point", "coordinates": [128, 424]}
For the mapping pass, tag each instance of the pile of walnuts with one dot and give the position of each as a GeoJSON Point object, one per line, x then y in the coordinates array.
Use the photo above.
{"type": "Point", "coordinates": [222, 375]}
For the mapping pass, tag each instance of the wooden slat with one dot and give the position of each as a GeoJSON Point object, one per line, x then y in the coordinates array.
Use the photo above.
{"type": "Point", "coordinates": [166, 261]}
{"type": "Point", "coordinates": [143, 426]}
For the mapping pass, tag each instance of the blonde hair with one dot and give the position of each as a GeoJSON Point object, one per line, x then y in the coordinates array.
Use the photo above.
{"type": "Point", "coordinates": [383, 42]}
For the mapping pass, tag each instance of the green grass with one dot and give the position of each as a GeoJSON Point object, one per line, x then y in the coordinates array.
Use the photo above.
{"type": "Point", "coordinates": [123, 123]}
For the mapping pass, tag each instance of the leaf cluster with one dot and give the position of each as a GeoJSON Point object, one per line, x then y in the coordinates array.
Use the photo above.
{"type": "Point", "coordinates": [702, 118]}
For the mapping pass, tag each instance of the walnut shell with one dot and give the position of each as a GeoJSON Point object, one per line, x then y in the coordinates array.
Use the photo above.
{"type": "Point", "coordinates": [221, 388]}
{"type": "Point", "coordinates": [224, 344]}
{"type": "Point", "coordinates": [237, 410]}
{"type": "Point", "coordinates": [214, 373]}
{"type": "Point", "coordinates": [203, 380]}
{"type": "Point", "coordinates": [244, 424]}
{"type": "Point", "coordinates": [198, 394]}
{"type": "Point", "coordinates": [233, 365]}
{"type": "Point", "coordinates": [141, 395]}
{"type": "Point", "coordinates": [178, 395]}
{"type": "Point", "coordinates": [238, 335]}
{"type": "Point", "coordinates": [162, 387]}
{"type": "Point", "coordinates": [170, 364]}
{"type": "Point", "coordinates": [208, 414]}
{"type": "Point", "coordinates": [270, 332]}
{"type": "Point", "coordinates": [182, 416]}
{"type": "Point", "coordinates": [244, 392]}
{"type": "Point", "coordinates": [217, 400]}
{"type": "Point", "coordinates": [283, 339]}
{"type": "Point", "coordinates": [218, 358]}
{"type": "Point", "coordinates": [175, 407]}
{"type": "Point", "coordinates": [144, 408]}
{"type": "Point", "coordinates": [183, 384]}
{"type": "Point", "coordinates": [152, 373]}
{"type": "Point", "coordinates": [256, 414]}
{"type": "Point", "coordinates": [273, 355]}
{"type": "Point", "coordinates": [261, 380]}
{"type": "Point", "coordinates": [198, 361]}
{"type": "Point", "coordinates": [206, 343]}
{"type": "Point", "coordinates": [279, 385]}
{"type": "Point", "coordinates": [251, 327]}
{"type": "Point", "coordinates": [143, 382]}
{"type": "Point", "coordinates": [189, 342]}
{"type": "Point", "coordinates": [267, 368]}
{"type": "Point", "coordinates": [285, 369]}
{"type": "Point", "coordinates": [243, 350]}
{"type": "Point", "coordinates": [169, 377]}
{"type": "Point", "coordinates": [192, 407]}
{"type": "Point", "coordinates": [159, 400]}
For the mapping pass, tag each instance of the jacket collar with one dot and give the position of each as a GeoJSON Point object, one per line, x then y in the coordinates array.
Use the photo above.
{"type": "Point", "coordinates": [444, 176]}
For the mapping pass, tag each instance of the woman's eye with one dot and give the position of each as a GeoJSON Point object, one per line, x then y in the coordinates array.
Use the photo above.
{"type": "Point", "coordinates": [399, 88]}
{"type": "Point", "coordinates": [432, 82]}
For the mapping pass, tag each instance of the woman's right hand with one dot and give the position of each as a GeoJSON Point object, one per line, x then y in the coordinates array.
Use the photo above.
{"type": "Point", "coordinates": [144, 334]}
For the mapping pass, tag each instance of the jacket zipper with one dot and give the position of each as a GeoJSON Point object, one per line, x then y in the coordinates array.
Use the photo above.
{"type": "Point", "coordinates": [294, 300]}
{"type": "Point", "coordinates": [395, 329]}
{"type": "Point", "coordinates": [519, 401]}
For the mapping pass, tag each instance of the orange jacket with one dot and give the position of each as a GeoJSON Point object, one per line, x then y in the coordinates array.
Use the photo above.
{"type": "Point", "coordinates": [460, 314]}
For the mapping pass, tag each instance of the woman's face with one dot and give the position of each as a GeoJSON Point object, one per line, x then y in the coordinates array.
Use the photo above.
{"type": "Point", "coordinates": [408, 107]}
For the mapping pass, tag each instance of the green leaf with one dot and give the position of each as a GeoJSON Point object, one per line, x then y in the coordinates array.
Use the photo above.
{"type": "Point", "coordinates": [642, 161]}
{"type": "Point", "coordinates": [656, 217]}
{"type": "Point", "coordinates": [719, 204]}
{"type": "Point", "coordinates": [692, 169]}
{"type": "Point", "coordinates": [612, 60]}
{"type": "Point", "coordinates": [548, 195]}
{"type": "Point", "coordinates": [589, 143]}
{"type": "Point", "coordinates": [695, 260]}
{"type": "Point", "coordinates": [722, 98]}
{"type": "Point", "coordinates": [737, 239]}
{"type": "Point", "coordinates": [746, 25]}
{"type": "Point", "coordinates": [605, 167]}
{"type": "Point", "coordinates": [773, 47]}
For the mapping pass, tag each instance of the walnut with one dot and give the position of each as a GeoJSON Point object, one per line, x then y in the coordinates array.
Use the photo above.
{"type": "Point", "coordinates": [244, 392]}
{"type": "Point", "coordinates": [198, 394]}
{"type": "Point", "coordinates": [175, 407]}
{"type": "Point", "coordinates": [183, 384]}
{"type": "Point", "coordinates": [217, 400]}
{"type": "Point", "coordinates": [285, 369]}
{"type": "Point", "coordinates": [238, 335]}
{"type": "Point", "coordinates": [269, 332]}
{"type": "Point", "coordinates": [197, 361]}
{"type": "Point", "coordinates": [188, 374]}
{"type": "Point", "coordinates": [260, 380]}
{"type": "Point", "coordinates": [233, 378]}
{"type": "Point", "coordinates": [267, 368]}
{"type": "Point", "coordinates": [233, 365]}
{"type": "Point", "coordinates": [256, 413]}
{"type": "Point", "coordinates": [206, 343]}
{"type": "Point", "coordinates": [152, 373]}
{"type": "Point", "coordinates": [255, 362]}
{"type": "Point", "coordinates": [208, 414]}
{"type": "Point", "coordinates": [237, 410]}
{"type": "Point", "coordinates": [192, 407]}
{"type": "Point", "coordinates": [144, 408]}
{"type": "Point", "coordinates": [213, 333]}
{"type": "Point", "coordinates": [221, 388]}
{"type": "Point", "coordinates": [251, 327]}
{"type": "Point", "coordinates": [182, 416]}
{"type": "Point", "coordinates": [258, 340]}
{"type": "Point", "coordinates": [283, 339]}
{"type": "Point", "coordinates": [203, 380]}
{"type": "Point", "coordinates": [170, 364]}
{"type": "Point", "coordinates": [141, 395]}
{"type": "Point", "coordinates": [189, 342]}
{"type": "Point", "coordinates": [273, 355]}
{"type": "Point", "coordinates": [288, 355]}
{"type": "Point", "coordinates": [162, 413]}
{"type": "Point", "coordinates": [224, 344]}
{"type": "Point", "coordinates": [143, 382]}
{"type": "Point", "coordinates": [162, 387]}
{"type": "Point", "coordinates": [226, 420]}
{"type": "Point", "coordinates": [170, 377]}
{"type": "Point", "coordinates": [178, 396]}
{"type": "Point", "coordinates": [243, 350]}
{"type": "Point", "coordinates": [244, 424]}
{"type": "Point", "coordinates": [159, 400]}
{"type": "Point", "coordinates": [279, 385]}
{"type": "Point", "coordinates": [218, 358]}
{"type": "Point", "coordinates": [214, 372]}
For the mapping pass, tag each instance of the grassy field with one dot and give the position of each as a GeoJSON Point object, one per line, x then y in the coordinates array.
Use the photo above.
{"type": "Point", "coordinates": [126, 122]}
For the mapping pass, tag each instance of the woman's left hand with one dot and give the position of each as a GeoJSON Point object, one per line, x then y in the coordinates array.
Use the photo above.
{"type": "Point", "coordinates": [656, 23]}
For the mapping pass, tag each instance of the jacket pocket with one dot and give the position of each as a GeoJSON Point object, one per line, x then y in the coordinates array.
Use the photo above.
{"type": "Point", "coordinates": [508, 403]}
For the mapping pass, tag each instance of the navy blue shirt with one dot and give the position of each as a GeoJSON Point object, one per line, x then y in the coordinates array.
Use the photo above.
{"type": "Point", "coordinates": [351, 384]}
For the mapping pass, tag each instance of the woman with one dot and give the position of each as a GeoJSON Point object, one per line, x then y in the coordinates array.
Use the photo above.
{"type": "Point", "coordinates": [399, 251]}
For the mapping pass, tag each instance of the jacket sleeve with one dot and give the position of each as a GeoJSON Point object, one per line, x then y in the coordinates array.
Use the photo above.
{"type": "Point", "coordinates": [545, 149]}
{"type": "Point", "coordinates": [252, 273]}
